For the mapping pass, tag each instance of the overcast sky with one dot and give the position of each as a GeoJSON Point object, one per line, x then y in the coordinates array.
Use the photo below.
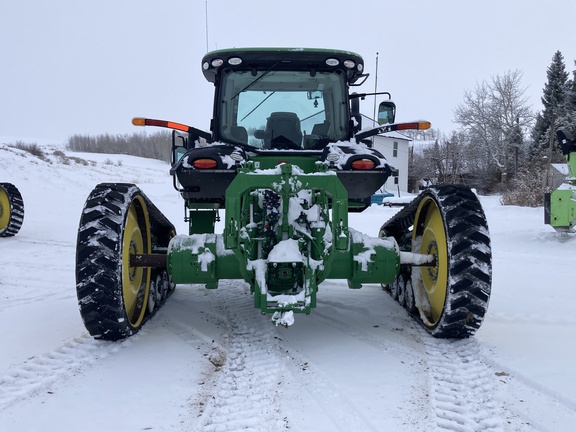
{"type": "Point", "coordinates": [88, 67]}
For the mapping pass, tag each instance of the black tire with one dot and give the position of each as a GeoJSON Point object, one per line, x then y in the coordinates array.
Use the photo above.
{"type": "Point", "coordinates": [452, 297]}
{"type": "Point", "coordinates": [113, 297]}
{"type": "Point", "coordinates": [11, 210]}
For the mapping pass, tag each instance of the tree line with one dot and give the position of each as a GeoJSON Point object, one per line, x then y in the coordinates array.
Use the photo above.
{"type": "Point", "coordinates": [157, 145]}
{"type": "Point", "coordinates": [502, 145]}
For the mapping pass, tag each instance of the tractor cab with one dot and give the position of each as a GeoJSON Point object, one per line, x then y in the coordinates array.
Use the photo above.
{"type": "Point", "coordinates": [282, 99]}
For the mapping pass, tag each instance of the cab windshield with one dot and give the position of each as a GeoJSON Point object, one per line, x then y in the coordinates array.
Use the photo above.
{"type": "Point", "coordinates": [286, 110]}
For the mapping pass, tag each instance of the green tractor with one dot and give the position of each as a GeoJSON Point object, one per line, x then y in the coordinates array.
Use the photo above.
{"type": "Point", "coordinates": [560, 205]}
{"type": "Point", "coordinates": [11, 210]}
{"type": "Point", "coordinates": [286, 160]}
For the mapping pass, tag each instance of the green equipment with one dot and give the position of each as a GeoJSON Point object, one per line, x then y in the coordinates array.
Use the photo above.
{"type": "Point", "coordinates": [560, 205]}
{"type": "Point", "coordinates": [11, 210]}
{"type": "Point", "coordinates": [286, 159]}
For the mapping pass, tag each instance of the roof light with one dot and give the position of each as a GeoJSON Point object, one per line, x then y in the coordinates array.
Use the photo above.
{"type": "Point", "coordinates": [235, 61]}
{"type": "Point", "coordinates": [349, 64]}
{"type": "Point", "coordinates": [236, 156]}
{"type": "Point", "coordinates": [332, 62]}
{"type": "Point", "coordinates": [204, 163]}
{"type": "Point", "coordinates": [217, 62]}
{"type": "Point", "coordinates": [332, 157]}
{"type": "Point", "coordinates": [363, 164]}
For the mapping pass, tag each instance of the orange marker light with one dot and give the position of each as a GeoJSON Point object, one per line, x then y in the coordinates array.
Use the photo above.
{"type": "Point", "coordinates": [420, 125]}
{"type": "Point", "coordinates": [204, 163]}
{"type": "Point", "coordinates": [363, 164]}
{"type": "Point", "coordinates": [141, 121]}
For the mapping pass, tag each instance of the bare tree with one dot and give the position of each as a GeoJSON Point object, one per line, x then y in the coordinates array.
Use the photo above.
{"type": "Point", "coordinates": [443, 161]}
{"type": "Point", "coordinates": [491, 116]}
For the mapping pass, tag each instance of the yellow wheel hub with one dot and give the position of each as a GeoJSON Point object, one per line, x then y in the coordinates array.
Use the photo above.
{"type": "Point", "coordinates": [135, 280]}
{"type": "Point", "coordinates": [4, 210]}
{"type": "Point", "coordinates": [434, 279]}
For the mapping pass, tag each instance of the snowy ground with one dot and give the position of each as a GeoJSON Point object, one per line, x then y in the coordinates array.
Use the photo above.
{"type": "Point", "coordinates": [209, 361]}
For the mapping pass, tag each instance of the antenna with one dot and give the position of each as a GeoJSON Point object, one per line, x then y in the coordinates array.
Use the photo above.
{"type": "Point", "coordinates": [375, 91]}
{"type": "Point", "coordinates": [206, 8]}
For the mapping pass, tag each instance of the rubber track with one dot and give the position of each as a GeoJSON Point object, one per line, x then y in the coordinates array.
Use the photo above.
{"type": "Point", "coordinates": [469, 257]}
{"type": "Point", "coordinates": [16, 210]}
{"type": "Point", "coordinates": [98, 257]}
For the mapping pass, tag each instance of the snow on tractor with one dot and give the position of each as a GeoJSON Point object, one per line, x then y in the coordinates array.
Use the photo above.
{"type": "Point", "coordinates": [560, 205]}
{"type": "Point", "coordinates": [11, 210]}
{"type": "Point", "coordinates": [287, 160]}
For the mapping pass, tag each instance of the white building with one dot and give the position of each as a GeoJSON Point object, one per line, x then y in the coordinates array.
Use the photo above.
{"type": "Point", "coordinates": [395, 148]}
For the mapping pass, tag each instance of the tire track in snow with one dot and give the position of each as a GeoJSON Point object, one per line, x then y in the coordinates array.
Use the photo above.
{"type": "Point", "coordinates": [40, 372]}
{"type": "Point", "coordinates": [471, 392]}
{"type": "Point", "coordinates": [540, 318]}
{"type": "Point", "coordinates": [27, 295]}
{"type": "Point", "coordinates": [20, 285]}
{"type": "Point", "coordinates": [376, 341]}
{"type": "Point", "coordinates": [254, 350]}
{"type": "Point", "coordinates": [344, 412]}
{"type": "Point", "coordinates": [531, 398]}
{"type": "Point", "coordinates": [247, 384]}
{"type": "Point", "coordinates": [462, 386]}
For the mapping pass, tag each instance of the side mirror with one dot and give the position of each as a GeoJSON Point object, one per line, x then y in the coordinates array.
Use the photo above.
{"type": "Point", "coordinates": [178, 146]}
{"type": "Point", "coordinates": [178, 153]}
{"type": "Point", "coordinates": [315, 94]}
{"type": "Point", "coordinates": [355, 112]}
{"type": "Point", "coordinates": [386, 112]}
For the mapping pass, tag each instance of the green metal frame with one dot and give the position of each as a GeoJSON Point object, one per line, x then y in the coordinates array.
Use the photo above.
{"type": "Point", "coordinates": [325, 247]}
{"type": "Point", "coordinates": [562, 201]}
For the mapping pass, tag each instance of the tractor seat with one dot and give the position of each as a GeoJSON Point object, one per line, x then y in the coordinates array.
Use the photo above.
{"type": "Point", "coordinates": [281, 127]}
{"type": "Point", "coordinates": [240, 134]}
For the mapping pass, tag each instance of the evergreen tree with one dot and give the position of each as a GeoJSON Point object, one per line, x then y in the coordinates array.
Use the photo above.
{"type": "Point", "coordinates": [569, 119]}
{"type": "Point", "coordinates": [554, 100]}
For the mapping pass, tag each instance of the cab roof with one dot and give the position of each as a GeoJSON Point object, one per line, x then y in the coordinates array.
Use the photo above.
{"type": "Point", "coordinates": [259, 59]}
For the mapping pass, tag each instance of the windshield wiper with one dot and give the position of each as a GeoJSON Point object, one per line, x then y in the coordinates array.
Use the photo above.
{"type": "Point", "coordinates": [256, 80]}
{"type": "Point", "coordinates": [256, 107]}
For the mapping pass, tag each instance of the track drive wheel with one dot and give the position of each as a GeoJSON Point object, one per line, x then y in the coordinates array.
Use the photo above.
{"type": "Point", "coordinates": [452, 296]}
{"type": "Point", "coordinates": [113, 296]}
{"type": "Point", "coordinates": [11, 210]}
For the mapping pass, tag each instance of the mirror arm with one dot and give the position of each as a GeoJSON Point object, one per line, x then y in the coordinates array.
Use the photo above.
{"type": "Point", "coordinates": [363, 95]}
{"type": "Point", "coordinates": [419, 125]}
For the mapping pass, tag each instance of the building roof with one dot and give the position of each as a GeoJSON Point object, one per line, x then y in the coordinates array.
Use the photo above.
{"type": "Point", "coordinates": [395, 135]}
{"type": "Point", "coordinates": [561, 167]}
